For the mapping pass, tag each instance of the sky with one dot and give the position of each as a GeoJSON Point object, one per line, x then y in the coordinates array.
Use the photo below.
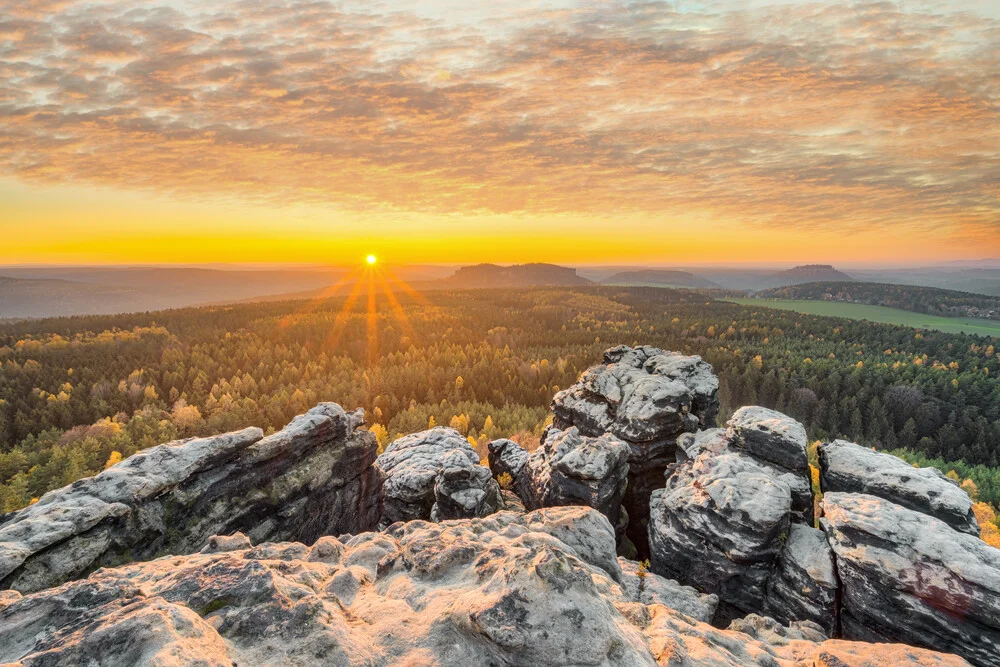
{"type": "Point", "coordinates": [168, 131]}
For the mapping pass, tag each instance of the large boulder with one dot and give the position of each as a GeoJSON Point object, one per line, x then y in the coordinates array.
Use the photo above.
{"type": "Point", "coordinates": [435, 474]}
{"type": "Point", "coordinates": [803, 586]}
{"type": "Point", "coordinates": [769, 436]}
{"type": "Point", "coordinates": [506, 457]}
{"type": "Point", "coordinates": [313, 478]}
{"type": "Point", "coordinates": [851, 468]}
{"type": "Point", "coordinates": [910, 577]}
{"type": "Point", "coordinates": [718, 526]}
{"type": "Point", "coordinates": [646, 397]}
{"type": "Point", "coordinates": [508, 589]}
{"type": "Point", "coordinates": [572, 469]}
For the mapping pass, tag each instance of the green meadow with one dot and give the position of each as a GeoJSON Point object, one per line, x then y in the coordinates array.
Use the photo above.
{"type": "Point", "coordinates": [857, 311]}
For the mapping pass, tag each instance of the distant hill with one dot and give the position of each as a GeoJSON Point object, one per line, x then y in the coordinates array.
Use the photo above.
{"type": "Point", "coordinates": [518, 275]}
{"type": "Point", "coordinates": [927, 300]}
{"type": "Point", "coordinates": [809, 273]}
{"type": "Point", "coordinates": [660, 278]}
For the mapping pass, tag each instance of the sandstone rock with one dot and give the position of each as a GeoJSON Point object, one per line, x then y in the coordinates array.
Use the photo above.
{"type": "Point", "coordinates": [506, 457]}
{"type": "Point", "coordinates": [718, 526]}
{"type": "Point", "coordinates": [804, 585]}
{"type": "Point", "coordinates": [571, 469]}
{"type": "Point", "coordinates": [851, 468]}
{"type": "Point", "coordinates": [647, 397]}
{"type": "Point", "coordinates": [435, 473]}
{"type": "Point", "coordinates": [690, 445]}
{"type": "Point", "coordinates": [770, 436]}
{"type": "Point", "coordinates": [770, 631]}
{"type": "Point", "coordinates": [651, 588]}
{"type": "Point", "coordinates": [312, 478]}
{"type": "Point", "coordinates": [503, 590]}
{"type": "Point", "coordinates": [910, 577]}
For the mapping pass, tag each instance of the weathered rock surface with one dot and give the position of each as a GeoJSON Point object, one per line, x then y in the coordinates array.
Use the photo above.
{"type": "Point", "coordinates": [851, 468]}
{"type": "Point", "coordinates": [910, 577]}
{"type": "Point", "coordinates": [647, 397]}
{"type": "Point", "coordinates": [310, 479]}
{"type": "Point", "coordinates": [649, 588]}
{"type": "Point", "coordinates": [504, 590]}
{"type": "Point", "coordinates": [570, 469]}
{"type": "Point", "coordinates": [769, 436]}
{"type": "Point", "coordinates": [718, 526]}
{"type": "Point", "coordinates": [506, 457]}
{"type": "Point", "coordinates": [803, 586]}
{"type": "Point", "coordinates": [435, 474]}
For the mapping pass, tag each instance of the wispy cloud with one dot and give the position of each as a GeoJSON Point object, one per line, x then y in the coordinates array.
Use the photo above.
{"type": "Point", "coordinates": [813, 115]}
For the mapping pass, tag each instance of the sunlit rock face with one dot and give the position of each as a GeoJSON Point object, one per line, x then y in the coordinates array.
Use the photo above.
{"type": "Point", "coordinates": [312, 478]}
{"type": "Point", "coordinates": [542, 589]}
{"type": "Point", "coordinates": [435, 474]}
{"type": "Point", "coordinates": [851, 468]}
{"type": "Point", "coordinates": [646, 397]}
{"type": "Point", "coordinates": [907, 576]}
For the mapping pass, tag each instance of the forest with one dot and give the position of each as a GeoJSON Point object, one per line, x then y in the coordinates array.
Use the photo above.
{"type": "Point", "coordinates": [79, 393]}
{"type": "Point", "coordinates": [926, 300]}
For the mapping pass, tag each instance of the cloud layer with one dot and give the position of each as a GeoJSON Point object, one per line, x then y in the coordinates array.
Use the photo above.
{"type": "Point", "coordinates": [801, 115]}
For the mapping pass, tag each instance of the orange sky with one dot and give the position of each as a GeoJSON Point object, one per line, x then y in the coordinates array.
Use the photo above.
{"type": "Point", "coordinates": [577, 132]}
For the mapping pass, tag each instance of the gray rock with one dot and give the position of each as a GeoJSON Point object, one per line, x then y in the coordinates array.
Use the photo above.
{"type": "Point", "coordinates": [506, 457]}
{"type": "Point", "coordinates": [435, 473]}
{"type": "Point", "coordinates": [804, 585]}
{"type": "Point", "coordinates": [770, 631]}
{"type": "Point", "coordinates": [718, 526]}
{"type": "Point", "coordinates": [647, 397]}
{"type": "Point", "coordinates": [651, 588]}
{"type": "Point", "coordinates": [770, 436]}
{"type": "Point", "coordinates": [851, 468]}
{"type": "Point", "coordinates": [717, 441]}
{"type": "Point", "coordinates": [572, 469]}
{"type": "Point", "coordinates": [910, 577]}
{"type": "Point", "coordinates": [507, 589]}
{"type": "Point", "coordinates": [312, 478]}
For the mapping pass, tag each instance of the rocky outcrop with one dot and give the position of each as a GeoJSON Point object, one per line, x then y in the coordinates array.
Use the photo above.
{"type": "Point", "coordinates": [646, 397]}
{"type": "Point", "coordinates": [568, 469]}
{"type": "Point", "coordinates": [506, 457]}
{"type": "Point", "coordinates": [435, 474]}
{"type": "Point", "coordinates": [719, 525]}
{"type": "Point", "coordinates": [539, 589]}
{"type": "Point", "coordinates": [910, 577]}
{"type": "Point", "coordinates": [804, 583]}
{"type": "Point", "coordinates": [310, 479]}
{"type": "Point", "coordinates": [851, 468]}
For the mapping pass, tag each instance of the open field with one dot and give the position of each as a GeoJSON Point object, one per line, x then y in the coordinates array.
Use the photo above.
{"type": "Point", "coordinates": [857, 311]}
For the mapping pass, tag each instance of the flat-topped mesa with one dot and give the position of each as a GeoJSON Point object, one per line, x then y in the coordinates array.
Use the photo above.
{"type": "Point", "coordinates": [851, 468]}
{"type": "Point", "coordinates": [436, 475]}
{"type": "Point", "coordinates": [314, 477]}
{"type": "Point", "coordinates": [646, 397]}
{"type": "Point", "coordinates": [542, 589]}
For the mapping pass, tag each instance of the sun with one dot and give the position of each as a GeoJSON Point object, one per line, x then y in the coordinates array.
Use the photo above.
{"type": "Point", "coordinates": [371, 259]}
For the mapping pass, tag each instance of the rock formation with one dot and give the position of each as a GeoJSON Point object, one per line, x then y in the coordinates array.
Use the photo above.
{"type": "Point", "coordinates": [910, 577]}
{"type": "Point", "coordinates": [540, 589]}
{"type": "Point", "coordinates": [851, 468]}
{"type": "Point", "coordinates": [435, 474]}
{"type": "Point", "coordinates": [647, 397]}
{"type": "Point", "coordinates": [312, 478]}
{"type": "Point", "coordinates": [567, 469]}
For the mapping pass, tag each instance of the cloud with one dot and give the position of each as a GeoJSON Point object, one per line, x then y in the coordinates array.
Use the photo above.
{"type": "Point", "coordinates": [810, 116]}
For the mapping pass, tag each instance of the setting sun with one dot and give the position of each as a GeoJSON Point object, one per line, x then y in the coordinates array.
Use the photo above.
{"type": "Point", "coordinates": [370, 259]}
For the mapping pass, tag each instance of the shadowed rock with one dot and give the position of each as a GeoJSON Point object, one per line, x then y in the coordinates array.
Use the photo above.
{"type": "Point", "coordinates": [910, 577]}
{"type": "Point", "coordinates": [851, 468]}
{"type": "Point", "coordinates": [803, 586]}
{"type": "Point", "coordinates": [507, 589]}
{"type": "Point", "coordinates": [312, 478]}
{"type": "Point", "coordinates": [435, 474]}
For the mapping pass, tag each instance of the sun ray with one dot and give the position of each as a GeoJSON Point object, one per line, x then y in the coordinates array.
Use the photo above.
{"type": "Point", "coordinates": [397, 310]}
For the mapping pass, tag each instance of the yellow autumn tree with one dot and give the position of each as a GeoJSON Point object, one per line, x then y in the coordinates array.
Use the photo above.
{"type": "Point", "coordinates": [115, 457]}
